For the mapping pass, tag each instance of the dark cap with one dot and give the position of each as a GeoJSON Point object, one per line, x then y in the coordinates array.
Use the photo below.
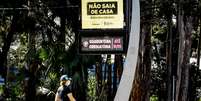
{"type": "Point", "coordinates": [64, 77]}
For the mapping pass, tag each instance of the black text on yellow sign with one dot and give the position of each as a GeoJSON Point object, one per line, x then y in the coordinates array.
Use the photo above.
{"type": "Point", "coordinates": [102, 8]}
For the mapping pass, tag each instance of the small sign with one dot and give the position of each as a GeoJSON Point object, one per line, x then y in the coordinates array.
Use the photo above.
{"type": "Point", "coordinates": [102, 14]}
{"type": "Point", "coordinates": [101, 44]}
{"type": "Point", "coordinates": [102, 8]}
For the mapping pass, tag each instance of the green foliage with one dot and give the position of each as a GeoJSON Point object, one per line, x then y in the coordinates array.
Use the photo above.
{"type": "Point", "coordinates": [43, 54]}
{"type": "Point", "coordinates": [14, 87]}
{"type": "Point", "coordinates": [52, 81]}
{"type": "Point", "coordinates": [91, 93]}
{"type": "Point", "coordinates": [15, 91]}
{"type": "Point", "coordinates": [194, 82]}
{"type": "Point", "coordinates": [1, 89]}
{"type": "Point", "coordinates": [159, 33]}
{"type": "Point", "coordinates": [39, 22]}
{"type": "Point", "coordinates": [153, 98]}
{"type": "Point", "coordinates": [16, 56]}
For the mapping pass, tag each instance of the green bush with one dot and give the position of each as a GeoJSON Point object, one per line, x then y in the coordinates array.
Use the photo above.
{"type": "Point", "coordinates": [91, 93]}
{"type": "Point", "coordinates": [1, 89]}
{"type": "Point", "coordinates": [153, 98]}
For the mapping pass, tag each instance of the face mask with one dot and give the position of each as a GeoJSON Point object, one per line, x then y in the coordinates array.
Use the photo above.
{"type": "Point", "coordinates": [67, 83]}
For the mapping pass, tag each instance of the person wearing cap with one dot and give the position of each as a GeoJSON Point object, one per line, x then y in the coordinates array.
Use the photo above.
{"type": "Point", "coordinates": [64, 93]}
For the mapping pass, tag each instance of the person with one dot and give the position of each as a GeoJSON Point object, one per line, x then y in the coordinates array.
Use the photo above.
{"type": "Point", "coordinates": [64, 92]}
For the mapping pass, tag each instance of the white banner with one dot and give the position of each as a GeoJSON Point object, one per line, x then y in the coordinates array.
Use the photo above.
{"type": "Point", "coordinates": [125, 85]}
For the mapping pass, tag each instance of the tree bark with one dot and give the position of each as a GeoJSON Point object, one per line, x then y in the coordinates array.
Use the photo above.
{"type": "Point", "coordinates": [140, 91]}
{"type": "Point", "coordinates": [169, 51]}
{"type": "Point", "coordinates": [184, 29]}
{"type": "Point", "coordinates": [31, 63]}
{"type": "Point", "coordinates": [6, 46]}
{"type": "Point", "coordinates": [118, 68]}
{"type": "Point", "coordinates": [31, 70]}
{"type": "Point", "coordinates": [98, 78]}
{"type": "Point", "coordinates": [109, 78]}
{"type": "Point", "coordinates": [199, 46]}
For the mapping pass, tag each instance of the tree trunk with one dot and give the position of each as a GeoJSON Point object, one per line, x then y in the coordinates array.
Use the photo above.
{"type": "Point", "coordinates": [61, 37]}
{"type": "Point", "coordinates": [98, 78]}
{"type": "Point", "coordinates": [184, 29]}
{"type": "Point", "coordinates": [140, 91]}
{"type": "Point", "coordinates": [199, 46]}
{"type": "Point", "coordinates": [118, 68]}
{"type": "Point", "coordinates": [31, 69]}
{"type": "Point", "coordinates": [30, 87]}
{"type": "Point", "coordinates": [109, 79]}
{"type": "Point", "coordinates": [32, 64]}
{"type": "Point", "coordinates": [6, 46]}
{"type": "Point", "coordinates": [169, 55]}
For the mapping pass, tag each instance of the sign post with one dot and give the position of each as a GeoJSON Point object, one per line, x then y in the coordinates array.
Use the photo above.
{"type": "Point", "coordinates": [104, 19]}
{"type": "Point", "coordinates": [103, 28]}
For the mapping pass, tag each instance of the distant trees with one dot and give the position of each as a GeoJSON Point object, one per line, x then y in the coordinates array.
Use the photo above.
{"type": "Point", "coordinates": [172, 26]}
{"type": "Point", "coordinates": [45, 32]}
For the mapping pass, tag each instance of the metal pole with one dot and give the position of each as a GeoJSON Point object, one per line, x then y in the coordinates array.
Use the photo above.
{"type": "Point", "coordinates": [173, 88]}
{"type": "Point", "coordinates": [199, 46]}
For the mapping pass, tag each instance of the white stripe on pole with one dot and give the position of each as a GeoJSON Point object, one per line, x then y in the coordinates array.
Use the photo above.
{"type": "Point", "coordinates": [125, 86]}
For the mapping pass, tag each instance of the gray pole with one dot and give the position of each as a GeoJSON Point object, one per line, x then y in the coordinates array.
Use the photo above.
{"type": "Point", "coordinates": [173, 87]}
{"type": "Point", "coordinates": [199, 46]}
{"type": "Point", "coordinates": [125, 85]}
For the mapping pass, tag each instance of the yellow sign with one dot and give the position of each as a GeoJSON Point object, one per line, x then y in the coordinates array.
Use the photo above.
{"type": "Point", "coordinates": [102, 14]}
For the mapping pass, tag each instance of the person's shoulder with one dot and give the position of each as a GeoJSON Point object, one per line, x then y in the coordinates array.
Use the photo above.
{"type": "Point", "coordinates": [66, 88]}
{"type": "Point", "coordinates": [60, 88]}
{"type": "Point", "coordinates": [63, 87]}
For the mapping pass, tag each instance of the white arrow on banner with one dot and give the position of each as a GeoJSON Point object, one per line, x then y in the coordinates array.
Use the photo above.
{"type": "Point", "coordinates": [125, 85]}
